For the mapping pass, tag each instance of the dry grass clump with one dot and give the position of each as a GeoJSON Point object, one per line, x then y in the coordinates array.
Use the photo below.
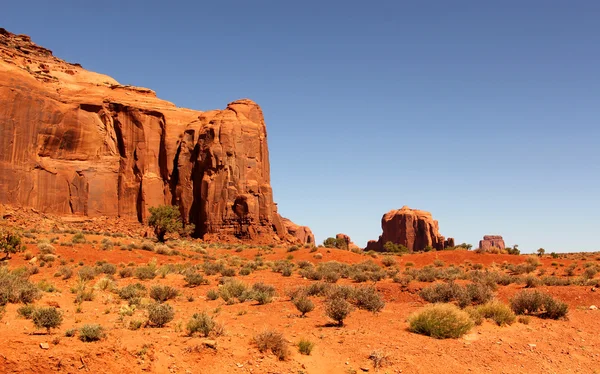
{"type": "Point", "coordinates": [440, 321]}
{"type": "Point", "coordinates": [272, 341]}
{"type": "Point", "coordinates": [160, 314]}
{"type": "Point", "coordinates": [497, 312]}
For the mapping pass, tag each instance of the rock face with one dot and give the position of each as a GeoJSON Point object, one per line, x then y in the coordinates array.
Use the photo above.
{"type": "Point", "coordinates": [490, 242]}
{"type": "Point", "coordinates": [414, 229]}
{"type": "Point", "coordinates": [78, 142]}
{"type": "Point", "coordinates": [302, 233]}
{"type": "Point", "coordinates": [347, 240]}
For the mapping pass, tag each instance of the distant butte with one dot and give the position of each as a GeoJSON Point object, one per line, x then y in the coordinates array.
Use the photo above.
{"type": "Point", "coordinates": [412, 228]}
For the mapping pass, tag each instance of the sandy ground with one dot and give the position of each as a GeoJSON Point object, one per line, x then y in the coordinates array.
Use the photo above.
{"type": "Point", "coordinates": [542, 346]}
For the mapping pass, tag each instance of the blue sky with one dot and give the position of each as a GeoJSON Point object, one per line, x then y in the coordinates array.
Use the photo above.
{"type": "Point", "coordinates": [486, 114]}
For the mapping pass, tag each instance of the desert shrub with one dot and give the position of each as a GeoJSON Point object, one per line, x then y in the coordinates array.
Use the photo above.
{"type": "Point", "coordinates": [555, 281]}
{"type": "Point", "coordinates": [438, 263]}
{"type": "Point", "coordinates": [86, 273]}
{"type": "Point", "coordinates": [479, 293]}
{"type": "Point", "coordinates": [132, 291]}
{"type": "Point", "coordinates": [10, 242]}
{"type": "Point", "coordinates": [160, 314]}
{"type": "Point", "coordinates": [135, 324]}
{"type": "Point", "coordinates": [202, 323]}
{"type": "Point", "coordinates": [47, 318]}
{"type": "Point", "coordinates": [162, 293]}
{"type": "Point", "coordinates": [272, 341]}
{"type": "Point", "coordinates": [395, 248]}
{"type": "Point", "coordinates": [303, 304]}
{"type": "Point", "coordinates": [228, 272]}
{"type": "Point", "coordinates": [16, 288]}
{"type": "Point", "coordinates": [475, 315]}
{"type": "Point", "coordinates": [65, 272]}
{"type": "Point", "coordinates": [145, 272]}
{"type": "Point", "coordinates": [338, 309]}
{"type": "Point", "coordinates": [534, 302]}
{"type": "Point", "coordinates": [590, 272]}
{"type": "Point", "coordinates": [147, 246]}
{"type": "Point", "coordinates": [426, 274]}
{"type": "Point", "coordinates": [106, 268]}
{"type": "Point", "coordinates": [440, 321]}
{"type": "Point", "coordinates": [497, 312]}
{"type": "Point", "coordinates": [231, 289]}
{"type": "Point", "coordinates": [193, 279]}
{"type": "Point", "coordinates": [104, 284]}
{"type": "Point", "coordinates": [524, 320]}
{"type": "Point", "coordinates": [212, 294]}
{"type": "Point", "coordinates": [126, 272]}
{"type": "Point", "coordinates": [368, 298]}
{"type": "Point", "coordinates": [91, 333]}
{"type": "Point", "coordinates": [263, 293]}
{"type": "Point", "coordinates": [78, 238]}
{"type": "Point", "coordinates": [440, 292]}
{"type": "Point", "coordinates": [379, 359]}
{"type": "Point", "coordinates": [318, 289]}
{"type": "Point", "coordinates": [26, 311]}
{"type": "Point", "coordinates": [532, 281]}
{"type": "Point", "coordinates": [388, 261]}
{"type": "Point", "coordinates": [305, 346]}
{"type": "Point", "coordinates": [70, 333]}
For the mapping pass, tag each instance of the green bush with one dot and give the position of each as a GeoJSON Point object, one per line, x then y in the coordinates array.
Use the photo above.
{"type": "Point", "coordinates": [165, 219]}
{"type": "Point", "coordinates": [338, 309]}
{"type": "Point", "coordinates": [163, 293]}
{"type": "Point", "coordinates": [91, 333]}
{"type": "Point", "coordinates": [440, 321]}
{"type": "Point", "coordinates": [305, 346]}
{"type": "Point", "coordinates": [10, 242]}
{"type": "Point", "coordinates": [47, 318]}
{"type": "Point", "coordinates": [534, 302]}
{"type": "Point", "coordinates": [160, 314]}
{"type": "Point", "coordinates": [272, 341]}
{"type": "Point", "coordinates": [497, 312]}
{"type": "Point", "coordinates": [202, 323]}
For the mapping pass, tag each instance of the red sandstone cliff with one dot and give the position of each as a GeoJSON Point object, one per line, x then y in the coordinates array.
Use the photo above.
{"type": "Point", "coordinates": [78, 142]}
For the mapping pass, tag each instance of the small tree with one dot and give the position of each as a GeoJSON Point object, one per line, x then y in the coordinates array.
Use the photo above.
{"type": "Point", "coordinates": [330, 242]}
{"type": "Point", "coordinates": [165, 219]}
{"type": "Point", "coordinates": [541, 252]}
{"type": "Point", "coordinates": [10, 242]}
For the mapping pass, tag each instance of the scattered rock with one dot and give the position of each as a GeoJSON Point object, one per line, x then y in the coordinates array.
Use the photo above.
{"type": "Point", "coordinates": [593, 307]}
{"type": "Point", "coordinates": [210, 344]}
{"type": "Point", "coordinates": [44, 345]}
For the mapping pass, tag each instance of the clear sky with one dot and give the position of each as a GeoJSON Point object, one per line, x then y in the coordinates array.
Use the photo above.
{"type": "Point", "coordinates": [485, 113]}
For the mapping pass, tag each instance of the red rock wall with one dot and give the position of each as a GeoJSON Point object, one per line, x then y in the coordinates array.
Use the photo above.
{"type": "Point", "coordinates": [77, 142]}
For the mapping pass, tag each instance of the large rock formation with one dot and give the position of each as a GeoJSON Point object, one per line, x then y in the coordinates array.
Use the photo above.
{"type": "Point", "coordinates": [492, 243]}
{"type": "Point", "coordinates": [302, 233]}
{"type": "Point", "coordinates": [78, 142]}
{"type": "Point", "coordinates": [414, 229]}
